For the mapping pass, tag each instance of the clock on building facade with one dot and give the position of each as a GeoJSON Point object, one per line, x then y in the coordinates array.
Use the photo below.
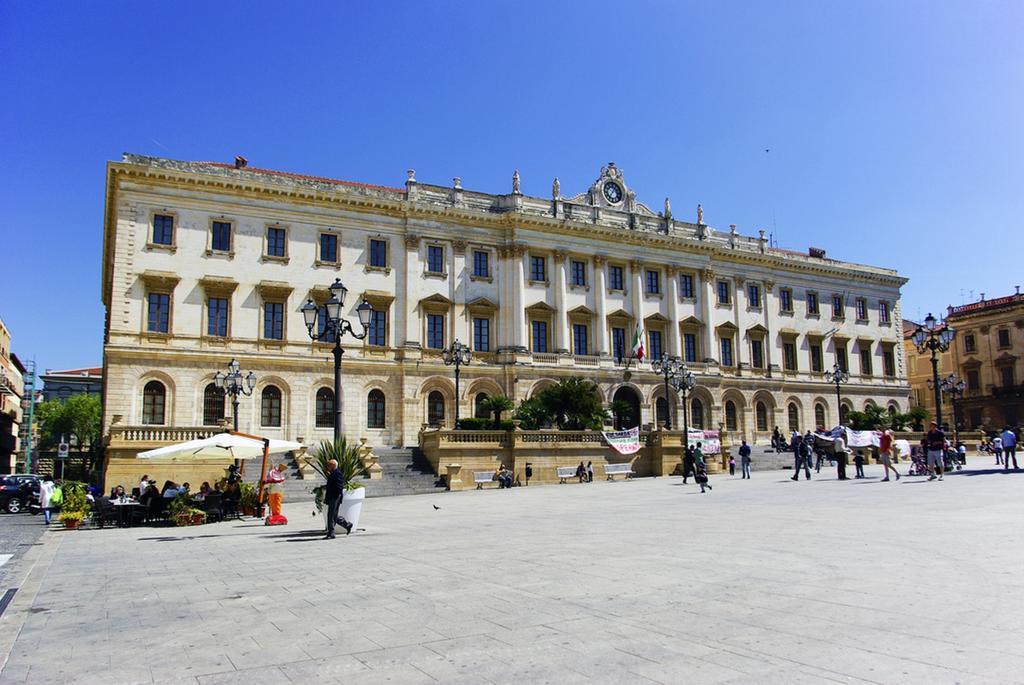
{"type": "Point", "coordinates": [612, 192]}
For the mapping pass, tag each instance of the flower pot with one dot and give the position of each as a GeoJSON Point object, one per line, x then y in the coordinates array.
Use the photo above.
{"type": "Point", "coordinates": [72, 524]}
{"type": "Point", "coordinates": [352, 505]}
{"type": "Point", "coordinates": [198, 519]}
{"type": "Point", "coordinates": [183, 520]}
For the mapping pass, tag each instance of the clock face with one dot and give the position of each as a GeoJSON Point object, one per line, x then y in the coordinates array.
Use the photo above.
{"type": "Point", "coordinates": [613, 192]}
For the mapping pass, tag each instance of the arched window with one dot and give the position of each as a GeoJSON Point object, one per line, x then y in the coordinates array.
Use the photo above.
{"type": "Point", "coordinates": [478, 406]}
{"type": "Point", "coordinates": [842, 413]}
{"type": "Point", "coordinates": [270, 407]}
{"type": "Point", "coordinates": [375, 409]}
{"type": "Point", "coordinates": [696, 413]}
{"type": "Point", "coordinates": [661, 410]}
{"type": "Point", "coordinates": [893, 410]}
{"type": "Point", "coordinates": [794, 417]}
{"type": "Point", "coordinates": [819, 416]}
{"type": "Point", "coordinates": [730, 415]}
{"type": "Point", "coordinates": [435, 409]}
{"type": "Point", "coordinates": [325, 408]}
{"type": "Point", "coordinates": [213, 405]}
{"type": "Point", "coordinates": [154, 399]}
{"type": "Point", "coordinates": [761, 415]}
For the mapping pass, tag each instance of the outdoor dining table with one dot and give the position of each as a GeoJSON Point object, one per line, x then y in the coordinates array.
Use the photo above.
{"type": "Point", "coordinates": [125, 509]}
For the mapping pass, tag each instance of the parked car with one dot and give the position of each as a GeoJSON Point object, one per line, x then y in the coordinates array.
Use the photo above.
{"type": "Point", "coordinates": [17, 491]}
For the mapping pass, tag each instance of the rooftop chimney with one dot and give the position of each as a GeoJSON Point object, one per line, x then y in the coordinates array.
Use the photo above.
{"type": "Point", "coordinates": [241, 162]}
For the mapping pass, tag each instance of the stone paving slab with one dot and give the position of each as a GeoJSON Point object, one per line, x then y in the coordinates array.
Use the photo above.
{"type": "Point", "coordinates": [759, 581]}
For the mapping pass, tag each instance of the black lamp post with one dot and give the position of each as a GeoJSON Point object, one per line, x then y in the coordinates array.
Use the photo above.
{"type": "Point", "coordinates": [934, 338]}
{"type": "Point", "coordinates": [838, 376]}
{"type": "Point", "coordinates": [669, 368]}
{"type": "Point", "coordinates": [234, 383]}
{"type": "Point", "coordinates": [954, 387]}
{"type": "Point", "coordinates": [334, 326]}
{"type": "Point", "coordinates": [457, 355]}
{"type": "Point", "coordinates": [684, 381]}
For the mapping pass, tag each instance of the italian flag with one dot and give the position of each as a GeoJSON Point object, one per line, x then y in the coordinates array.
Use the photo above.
{"type": "Point", "coordinates": [638, 342]}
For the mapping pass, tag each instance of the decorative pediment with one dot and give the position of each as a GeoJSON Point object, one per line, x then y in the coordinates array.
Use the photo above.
{"type": "Point", "coordinates": [540, 308]}
{"type": "Point", "coordinates": [620, 315]}
{"type": "Point", "coordinates": [727, 326]}
{"type": "Point", "coordinates": [656, 318]}
{"type": "Point", "coordinates": [481, 304]}
{"type": "Point", "coordinates": [378, 299]}
{"type": "Point", "coordinates": [319, 294]}
{"type": "Point", "coordinates": [758, 328]}
{"type": "Point", "coordinates": [1005, 358]}
{"type": "Point", "coordinates": [581, 311]}
{"type": "Point", "coordinates": [276, 290]}
{"type": "Point", "coordinates": [610, 191]}
{"type": "Point", "coordinates": [692, 321]}
{"type": "Point", "coordinates": [971, 364]}
{"type": "Point", "coordinates": [435, 301]}
{"type": "Point", "coordinates": [218, 285]}
{"type": "Point", "coordinates": [159, 280]}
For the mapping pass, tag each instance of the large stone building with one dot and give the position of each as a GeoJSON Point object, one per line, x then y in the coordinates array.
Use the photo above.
{"type": "Point", "coordinates": [61, 384]}
{"type": "Point", "coordinates": [11, 390]}
{"type": "Point", "coordinates": [987, 354]}
{"type": "Point", "coordinates": [205, 262]}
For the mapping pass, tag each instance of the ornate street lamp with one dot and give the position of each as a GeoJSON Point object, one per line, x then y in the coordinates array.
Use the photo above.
{"type": "Point", "coordinates": [838, 376]}
{"type": "Point", "coordinates": [457, 355]}
{"type": "Point", "coordinates": [684, 381]}
{"type": "Point", "coordinates": [334, 327]}
{"type": "Point", "coordinates": [934, 338]}
{"type": "Point", "coordinates": [954, 387]}
{"type": "Point", "coordinates": [234, 383]}
{"type": "Point", "coordinates": [669, 368]}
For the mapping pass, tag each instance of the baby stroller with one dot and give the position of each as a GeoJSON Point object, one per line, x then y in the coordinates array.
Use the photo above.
{"type": "Point", "coordinates": [918, 462]}
{"type": "Point", "coordinates": [951, 459]}
{"type": "Point", "coordinates": [700, 475]}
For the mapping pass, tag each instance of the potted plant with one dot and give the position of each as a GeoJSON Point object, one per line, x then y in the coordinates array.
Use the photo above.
{"type": "Point", "coordinates": [74, 506]}
{"type": "Point", "coordinates": [249, 499]}
{"type": "Point", "coordinates": [72, 519]}
{"type": "Point", "coordinates": [351, 467]}
{"type": "Point", "coordinates": [197, 516]}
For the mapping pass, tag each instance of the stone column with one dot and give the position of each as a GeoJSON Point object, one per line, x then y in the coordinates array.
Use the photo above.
{"type": "Point", "coordinates": [707, 306]}
{"type": "Point", "coordinates": [768, 307]}
{"type": "Point", "coordinates": [674, 341]}
{"type": "Point", "coordinates": [412, 270]}
{"type": "Point", "coordinates": [740, 350]}
{"type": "Point", "coordinates": [457, 290]}
{"type": "Point", "coordinates": [600, 306]}
{"type": "Point", "coordinates": [561, 319]}
{"type": "Point", "coordinates": [519, 335]}
{"type": "Point", "coordinates": [637, 267]}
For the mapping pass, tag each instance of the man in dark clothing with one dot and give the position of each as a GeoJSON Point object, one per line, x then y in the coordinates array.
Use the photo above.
{"type": "Point", "coordinates": [801, 457]}
{"type": "Point", "coordinates": [935, 444]}
{"type": "Point", "coordinates": [688, 464]}
{"type": "Point", "coordinates": [334, 495]}
{"type": "Point", "coordinates": [745, 459]}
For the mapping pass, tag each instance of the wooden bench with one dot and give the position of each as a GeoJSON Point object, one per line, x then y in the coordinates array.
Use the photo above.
{"type": "Point", "coordinates": [481, 477]}
{"type": "Point", "coordinates": [564, 472]}
{"type": "Point", "coordinates": [612, 470]}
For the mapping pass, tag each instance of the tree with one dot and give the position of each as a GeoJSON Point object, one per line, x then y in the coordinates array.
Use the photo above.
{"type": "Point", "coordinates": [620, 409]}
{"type": "Point", "coordinates": [918, 415]}
{"type": "Point", "coordinates": [496, 405]}
{"type": "Point", "coordinates": [53, 423]}
{"type": "Point", "coordinates": [77, 419]}
{"type": "Point", "coordinates": [571, 404]}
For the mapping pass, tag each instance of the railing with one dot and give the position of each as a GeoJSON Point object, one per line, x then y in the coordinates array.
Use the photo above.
{"type": "Point", "coordinates": [470, 436]}
{"type": "Point", "coordinates": [587, 360]}
{"type": "Point", "coordinates": [161, 433]}
{"type": "Point", "coordinates": [560, 436]}
{"type": "Point", "coordinates": [545, 358]}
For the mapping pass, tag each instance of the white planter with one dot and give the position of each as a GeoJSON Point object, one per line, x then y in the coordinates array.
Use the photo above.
{"type": "Point", "coordinates": [352, 506]}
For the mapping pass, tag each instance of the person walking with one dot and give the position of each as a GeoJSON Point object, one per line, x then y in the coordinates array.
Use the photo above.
{"type": "Point", "coordinates": [700, 469]}
{"type": "Point", "coordinates": [732, 465]}
{"type": "Point", "coordinates": [1009, 449]}
{"type": "Point", "coordinates": [688, 457]}
{"type": "Point", "coordinates": [745, 459]}
{"type": "Point", "coordinates": [581, 473]}
{"type": "Point", "coordinates": [777, 440]}
{"type": "Point", "coordinates": [590, 472]}
{"type": "Point", "coordinates": [839, 450]}
{"type": "Point", "coordinates": [858, 463]}
{"type": "Point", "coordinates": [801, 457]}
{"type": "Point", "coordinates": [334, 495]}
{"type": "Point", "coordinates": [997, 447]}
{"type": "Point", "coordinates": [46, 489]}
{"type": "Point", "coordinates": [885, 452]}
{"type": "Point", "coordinates": [935, 443]}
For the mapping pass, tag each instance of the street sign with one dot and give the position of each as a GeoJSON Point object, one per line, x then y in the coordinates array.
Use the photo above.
{"type": "Point", "coordinates": [62, 450]}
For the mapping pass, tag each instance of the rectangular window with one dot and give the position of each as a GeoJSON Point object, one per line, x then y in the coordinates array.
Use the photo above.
{"type": "Point", "coordinates": [883, 312]}
{"type": "Point", "coordinates": [435, 331]}
{"type": "Point", "coordinates": [686, 285]}
{"type": "Point", "coordinates": [538, 268]}
{"type": "Point", "coordinates": [1007, 375]}
{"type": "Point", "coordinates": [862, 309]}
{"type": "Point", "coordinates": [539, 335]}
{"type": "Point", "coordinates": [329, 248]}
{"type": "Point", "coordinates": [378, 331]}
{"type": "Point", "coordinates": [690, 347]}
{"type": "Point", "coordinates": [1004, 337]}
{"type": "Point", "coordinates": [273, 320]}
{"type": "Point", "coordinates": [163, 229]}
{"type": "Point", "coordinates": [615, 278]}
{"type": "Point", "coordinates": [841, 359]}
{"type": "Point", "coordinates": [786, 300]}
{"type": "Point", "coordinates": [481, 264]}
{"type": "Point", "coordinates": [275, 242]}
{"type": "Point", "coordinates": [378, 253]}
{"type": "Point", "coordinates": [888, 361]}
{"type": "Point", "coordinates": [482, 335]}
{"type": "Point", "coordinates": [217, 317]}
{"type": "Point", "coordinates": [726, 351]}
{"type": "Point", "coordinates": [578, 273]}
{"type": "Point", "coordinates": [812, 304]}
{"type": "Point", "coordinates": [838, 310]}
{"type": "Point", "coordinates": [723, 292]}
{"type": "Point", "coordinates": [973, 379]}
{"type": "Point", "coordinates": [754, 296]}
{"type": "Point", "coordinates": [757, 354]}
{"type": "Point", "coordinates": [579, 338]}
{"type": "Point", "coordinates": [865, 361]}
{"type": "Point", "coordinates": [653, 282]}
{"type": "Point", "coordinates": [789, 356]}
{"type": "Point", "coordinates": [159, 313]}
{"type": "Point", "coordinates": [654, 341]}
{"type": "Point", "coordinates": [816, 359]}
{"type": "Point", "coordinates": [220, 236]}
{"type": "Point", "coordinates": [435, 259]}
{"type": "Point", "coordinates": [619, 343]}
{"type": "Point", "coordinates": [969, 344]}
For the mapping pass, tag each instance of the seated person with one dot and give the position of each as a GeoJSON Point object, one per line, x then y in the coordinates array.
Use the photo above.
{"type": "Point", "coordinates": [117, 493]}
{"type": "Point", "coordinates": [204, 490]}
{"type": "Point", "coordinates": [184, 489]}
{"type": "Point", "coordinates": [149, 494]}
{"type": "Point", "coordinates": [170, 490]}
{"type": "Point", "coordinates": [217, 487]}
{"type": "Point", "coordinates": [504, 477]}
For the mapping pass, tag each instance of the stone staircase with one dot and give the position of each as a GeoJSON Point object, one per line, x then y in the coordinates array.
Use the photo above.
{"type": "Point", "coordinates": [764, 458]}
{"type": "Point", "coordinates": [295, 488]}
{"type": "Point", "coordinates": [405, 472]}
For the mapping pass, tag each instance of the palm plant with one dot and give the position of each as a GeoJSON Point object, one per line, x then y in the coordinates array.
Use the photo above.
{"type": "Point", "coordinates": [349, 463]}
{"type": "Point", "coordinates": [496, 406]}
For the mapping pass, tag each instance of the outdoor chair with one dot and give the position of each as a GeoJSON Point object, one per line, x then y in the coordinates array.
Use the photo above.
{"type": "Point", "coordinates": [213, 505]}
{"type": "Point", "coordinates": [104, 512]}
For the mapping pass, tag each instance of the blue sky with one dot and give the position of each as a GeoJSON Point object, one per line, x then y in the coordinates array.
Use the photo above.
{"type": "Point", "coordinates": [894, 128]}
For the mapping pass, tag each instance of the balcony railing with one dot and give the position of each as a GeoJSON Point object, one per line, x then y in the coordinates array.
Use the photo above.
{"type": "Point", "coordinates": [168, 434]}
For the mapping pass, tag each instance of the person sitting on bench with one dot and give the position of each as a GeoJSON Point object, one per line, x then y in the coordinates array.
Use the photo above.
{"type": "Point", "coordinates": [504, 477]}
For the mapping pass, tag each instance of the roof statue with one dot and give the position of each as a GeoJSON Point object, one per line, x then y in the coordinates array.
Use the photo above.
{"type": "Point", "coordinates": [515, 182]}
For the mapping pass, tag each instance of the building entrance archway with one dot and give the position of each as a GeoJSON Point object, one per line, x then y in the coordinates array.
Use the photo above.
{"type": "Point", "coordinates": [627, 418]}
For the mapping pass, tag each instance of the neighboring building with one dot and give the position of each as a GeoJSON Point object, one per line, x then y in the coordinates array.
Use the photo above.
{"type": "Point", "coordinates": [205, 262]}
{"type": "Point", "coordinates": [60, 385]}
{"type": "Point", "coordinates": [11, 389]}
{"type": "Point", "coordinates": [919, 372]}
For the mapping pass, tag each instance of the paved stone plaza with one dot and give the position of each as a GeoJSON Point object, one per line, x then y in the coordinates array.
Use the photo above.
{"type": "Point", "coordinates": [762, 581]}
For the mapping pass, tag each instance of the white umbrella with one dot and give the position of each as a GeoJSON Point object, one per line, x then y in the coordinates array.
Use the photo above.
{"type": "Point", "coordinates": [231, 445]}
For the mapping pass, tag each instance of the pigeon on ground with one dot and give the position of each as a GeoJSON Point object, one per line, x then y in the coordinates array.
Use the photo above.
{"type": "Point", "coordinates": [436, 507]}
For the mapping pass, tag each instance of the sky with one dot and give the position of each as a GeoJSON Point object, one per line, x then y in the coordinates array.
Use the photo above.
{"type": "Point", "coordinates": [886, 132]}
